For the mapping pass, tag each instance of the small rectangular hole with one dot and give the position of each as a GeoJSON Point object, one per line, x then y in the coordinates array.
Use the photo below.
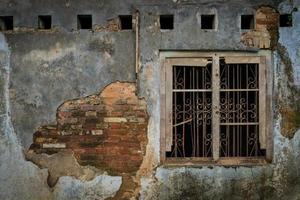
{"type": "Point", "coordinates": [166, 21]}
{"type": "Point", "coordinates": [207, 21]}
{"type": "Point", "coordinates": [84, 22]}
{"type": "Point", "coordinates": [126, 22]}
{"type": "Point", "coordinates": [286, 20]}
{"type": "Point", "coordinates": [44, 22]}
{"type": "Point", "coordinates": [247, 22]}
{"type": "Point", "coordinates": [6, 23]}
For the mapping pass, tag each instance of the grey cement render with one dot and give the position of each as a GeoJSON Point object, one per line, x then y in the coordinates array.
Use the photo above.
{"type": "Point", "coordinates": [21, 179]}
{"type": "Point", "coordinates": [54, 67]}
{"type": "Point", "coordinates": [39, 71]}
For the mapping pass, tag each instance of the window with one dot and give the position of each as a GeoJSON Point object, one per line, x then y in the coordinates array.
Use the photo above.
{"type": "Point", "coordinates": [84, 22]}
{"type": "Point", "coordinates": [6, 23]}
{"type": "Point", "coordinates": [247, 22]}
{"type": "Point", "coordinates": [207, 21]}
{"type": "Point", "coordinates": [44, 22]}
{"type": "Point", "coordinates": [126, 22]}
{"type": "Point", "coordinates": [286, 20]}
{"type": "Point", "coordinates": [166, 21]}
{"type": "Point", "coordinates": [214, 109]}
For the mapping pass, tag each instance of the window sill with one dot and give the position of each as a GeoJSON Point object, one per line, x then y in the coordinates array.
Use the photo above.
{"type": "Point", "coordinates": [230, 162]}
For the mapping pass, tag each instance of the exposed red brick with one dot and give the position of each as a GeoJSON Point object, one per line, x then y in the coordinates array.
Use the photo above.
{"type": "Point", "coordinates": [265, 35]}
{"type": "Point", "coordinates": [108, 130]}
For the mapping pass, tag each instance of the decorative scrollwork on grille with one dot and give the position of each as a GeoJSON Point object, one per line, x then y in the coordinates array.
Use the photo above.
{"type": "Point", "coordinates": [192, 110]}
{"type": "Point", "coordinates": [238, 76]}
{"type": "Point", "coordinates": [233, 110]}
{"type": "Point", "coordinates": [238, 108]}
{"type": "Point", "coordinates": [239, 98]}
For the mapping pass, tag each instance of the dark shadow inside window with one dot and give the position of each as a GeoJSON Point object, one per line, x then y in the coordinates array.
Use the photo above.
{"type": "Point", "coordinates": [6, 23]}
{"type": "Point", "coordinates": [207, 21]}
{"type": "Point", "coordinates": [126, 22]}
{"type": "Point", "coordinates": [84, 21]}
{"type": "Point", "coordinates": [44, 22]}
{"type": "Point", "coordinates": [166, 22]}
{"type": "Point", "coordinates": [247, 22]}
{"type": "Point", "coordinates": [286, 20]}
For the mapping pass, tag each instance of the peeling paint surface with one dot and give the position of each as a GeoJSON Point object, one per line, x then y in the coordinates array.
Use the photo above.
{"type": "Point", "coordinates": [101, 187]}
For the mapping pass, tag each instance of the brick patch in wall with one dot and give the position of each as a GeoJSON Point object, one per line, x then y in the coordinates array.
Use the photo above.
{"type": "Point", "coordinates": [107, 130]}
{"type": "Point", "coordinates": [265, 35]}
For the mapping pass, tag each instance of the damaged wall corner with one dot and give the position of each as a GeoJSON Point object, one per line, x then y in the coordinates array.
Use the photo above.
{"type": "Point", "coordinates": [265, 34]}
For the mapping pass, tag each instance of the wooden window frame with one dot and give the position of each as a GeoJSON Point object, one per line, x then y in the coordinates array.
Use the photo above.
{"type": "Point", "coordinates": [171, 58]}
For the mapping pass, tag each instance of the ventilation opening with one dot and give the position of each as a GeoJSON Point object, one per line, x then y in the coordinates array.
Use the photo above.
{"type": "Point", "coordinates": [247, 21]}
{"type": "Point", "coordinates": [126, 22]}
{"type": "Point", "coordinates": [166, 21]}
{"type": "Point", "coordinates": [6, 23]}
{"type": "Point", "coordinates": [286, 20]}
{"type": "Point", "coordinates": [45, 22]}
{"type": "Point", "coordinates": [84, 21]}
{"type": "Point", "coordinates": [207, 21]}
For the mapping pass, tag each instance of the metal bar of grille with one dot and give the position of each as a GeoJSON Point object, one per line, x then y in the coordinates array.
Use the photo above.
{"type": "Point", "coordinates": [241, 90]}
{"type": "Point", "coordinates": [192, 90]}
{"type": "Point", "coordinates": [249, 123]}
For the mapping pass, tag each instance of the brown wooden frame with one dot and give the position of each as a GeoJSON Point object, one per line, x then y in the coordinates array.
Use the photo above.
{"type": "Point", "coordinates": [170, 58]}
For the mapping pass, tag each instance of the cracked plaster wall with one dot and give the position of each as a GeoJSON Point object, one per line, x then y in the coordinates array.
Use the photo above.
{"type": "Point", "coordinates": [21, 179]}
{"type": "Point", "coordinates": [41, 63]}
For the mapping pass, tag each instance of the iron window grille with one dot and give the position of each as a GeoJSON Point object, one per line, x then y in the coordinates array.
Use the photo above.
{"type": "Point", "coordinates": [214, 110]}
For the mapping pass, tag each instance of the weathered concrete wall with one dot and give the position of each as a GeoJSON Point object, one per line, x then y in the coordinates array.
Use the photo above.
{"type": "Point", "coordinates": [279, 180]}
{"type": "Point", "coordinates": [21, 179]}
{"type": "Point", "coordinates": [54, 67]}
{"type": "Point", "coordinates": [49, 68]}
